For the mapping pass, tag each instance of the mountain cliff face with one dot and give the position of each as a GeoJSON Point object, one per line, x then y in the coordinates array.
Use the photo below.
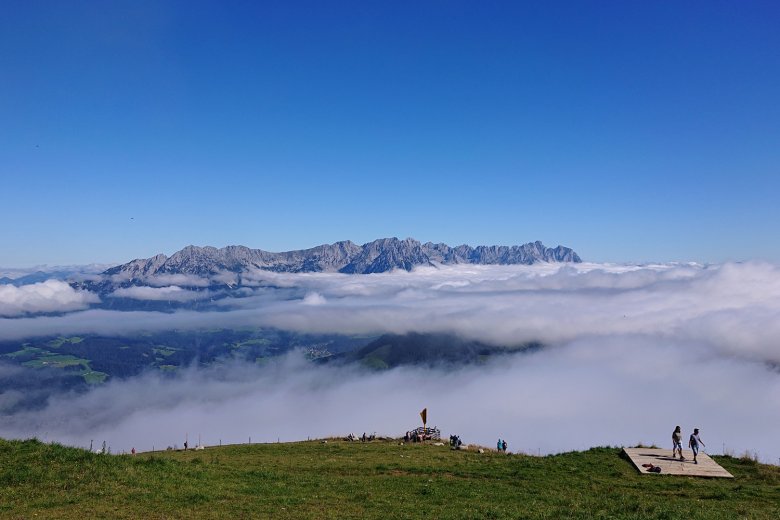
{"type": "Point", "coordinates": [529, 253]}
{"type": "Point", "coordinates": [378, 256]}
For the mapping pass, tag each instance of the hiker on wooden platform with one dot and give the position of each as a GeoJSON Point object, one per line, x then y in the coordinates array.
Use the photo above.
{"type": "Point", "coordinates": [677, 443]}
{"type": "Point", "coordinates": [694, 442]}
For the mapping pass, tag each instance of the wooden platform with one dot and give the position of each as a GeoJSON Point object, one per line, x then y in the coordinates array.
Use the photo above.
{"type": "Point", "coordinates": [670, 466]}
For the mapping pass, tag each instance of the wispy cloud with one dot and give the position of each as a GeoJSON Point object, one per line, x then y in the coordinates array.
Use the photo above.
{"type": "Point", "coordinates": [74, 271]}
{"type": "Point", "coordinates": [48, 296]}
{"type": "Point", "coordinates": [314, 298]}
{"type": "Point", "coordinates": [182, 280]}
{"type": "Point", "coordinates": [169, 293]}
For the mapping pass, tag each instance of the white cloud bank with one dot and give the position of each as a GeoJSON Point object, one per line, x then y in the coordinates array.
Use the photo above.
{"type": "Point", "coordinates": [631, 352]}
{"type": "Point", "coordinates": [583, 394]}
{"type": "Point", "coordinates": [734, 308]}
{"type": "Point", "coordinates": [48, 296]}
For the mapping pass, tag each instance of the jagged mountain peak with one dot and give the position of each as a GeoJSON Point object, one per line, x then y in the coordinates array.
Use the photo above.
{"type": "Point", "coordinates": [380, 255]}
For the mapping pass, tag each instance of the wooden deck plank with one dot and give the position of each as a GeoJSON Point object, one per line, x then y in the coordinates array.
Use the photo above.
{"type": "Point", "coordinates": [671, 466]}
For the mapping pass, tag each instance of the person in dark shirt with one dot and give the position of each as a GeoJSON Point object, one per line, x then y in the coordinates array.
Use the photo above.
{"type": "Point", "coordinates": [694, 442]}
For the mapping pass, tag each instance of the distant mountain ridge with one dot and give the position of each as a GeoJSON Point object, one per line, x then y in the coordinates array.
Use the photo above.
{"type": "Point", "coordinates": [379, 256]}
{"type": "Point", "coordinates": [425, 349]}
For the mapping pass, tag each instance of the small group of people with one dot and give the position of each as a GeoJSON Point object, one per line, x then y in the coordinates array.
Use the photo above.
{"type": "Point", "coordinates": [413, 436]}
{"type": "Point", "coordinates": [693, 443]}
{"type": "Point", "coordinates": [455, 442]}
{"type": "Point", "coordinates": [364, 438]}
{"type": "Point", "coordinates": [420, 435]}
{"type": "Point", "coordinates": [501, 445]}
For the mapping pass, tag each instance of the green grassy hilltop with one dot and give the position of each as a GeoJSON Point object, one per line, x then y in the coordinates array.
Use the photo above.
{"type": "Point", "coordinates": [380, 479]}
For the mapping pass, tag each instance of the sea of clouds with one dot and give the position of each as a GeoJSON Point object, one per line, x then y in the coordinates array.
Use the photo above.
{"type": "Point", "coordinates": [630, 352]}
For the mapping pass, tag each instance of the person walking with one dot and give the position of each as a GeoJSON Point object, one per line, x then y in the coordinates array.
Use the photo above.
{"type": "Point", "coordinates": [503, 445]}
{"type": "Point", "coordinates": [677, 443]}
{"type": "Point", "coordinates": [693, 444]}
{"type": "Point", "coordinates": [498, 445]}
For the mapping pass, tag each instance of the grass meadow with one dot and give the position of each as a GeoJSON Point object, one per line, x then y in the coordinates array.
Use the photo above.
{"type": "Point", "coordinates": [380, 479]}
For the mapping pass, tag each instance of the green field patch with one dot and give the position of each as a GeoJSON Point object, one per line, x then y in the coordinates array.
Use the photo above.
{"type": "Point", "coordinates": [27, 351]}
{"type": "Point", "coordinates": [56, 361]}
{"type": "Point", "coordinates": [374, 362]}
{"type": "Point", "coordinates": [168, 368]}
{"type": "Point", "coordinates": [58, 342]}
{"type": "Point", "coordinates": [163, 351]}
{"type": "Point", "coordinates": [255, 341]}
{"type": "Point", "coordinates": [262, 342]}
{"type": "Point", "coordinates": [93, 377]}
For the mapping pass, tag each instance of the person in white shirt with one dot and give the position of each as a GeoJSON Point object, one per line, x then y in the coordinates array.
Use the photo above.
{"type": "Point", "coordinates": [677, 443]}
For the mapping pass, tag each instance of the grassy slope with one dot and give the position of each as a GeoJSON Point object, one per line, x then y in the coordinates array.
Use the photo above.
{"type": "Point", "coordinates": [374, 480]}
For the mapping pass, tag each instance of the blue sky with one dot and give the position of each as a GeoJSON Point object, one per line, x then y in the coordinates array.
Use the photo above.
{"type": "Point", "coordinates": [629, 131]}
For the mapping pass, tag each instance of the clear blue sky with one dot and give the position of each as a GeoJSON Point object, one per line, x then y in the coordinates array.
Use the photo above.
{"type": "Point", "coordinates": [630, 131]}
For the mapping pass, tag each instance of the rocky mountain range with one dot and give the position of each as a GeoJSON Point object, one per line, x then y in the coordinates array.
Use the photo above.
{"type": "Point", "coordinates": [378, 256]}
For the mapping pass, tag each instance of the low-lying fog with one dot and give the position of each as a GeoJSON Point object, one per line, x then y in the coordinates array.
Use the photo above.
{"type": "Point", "coordinates": [631, 352]}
